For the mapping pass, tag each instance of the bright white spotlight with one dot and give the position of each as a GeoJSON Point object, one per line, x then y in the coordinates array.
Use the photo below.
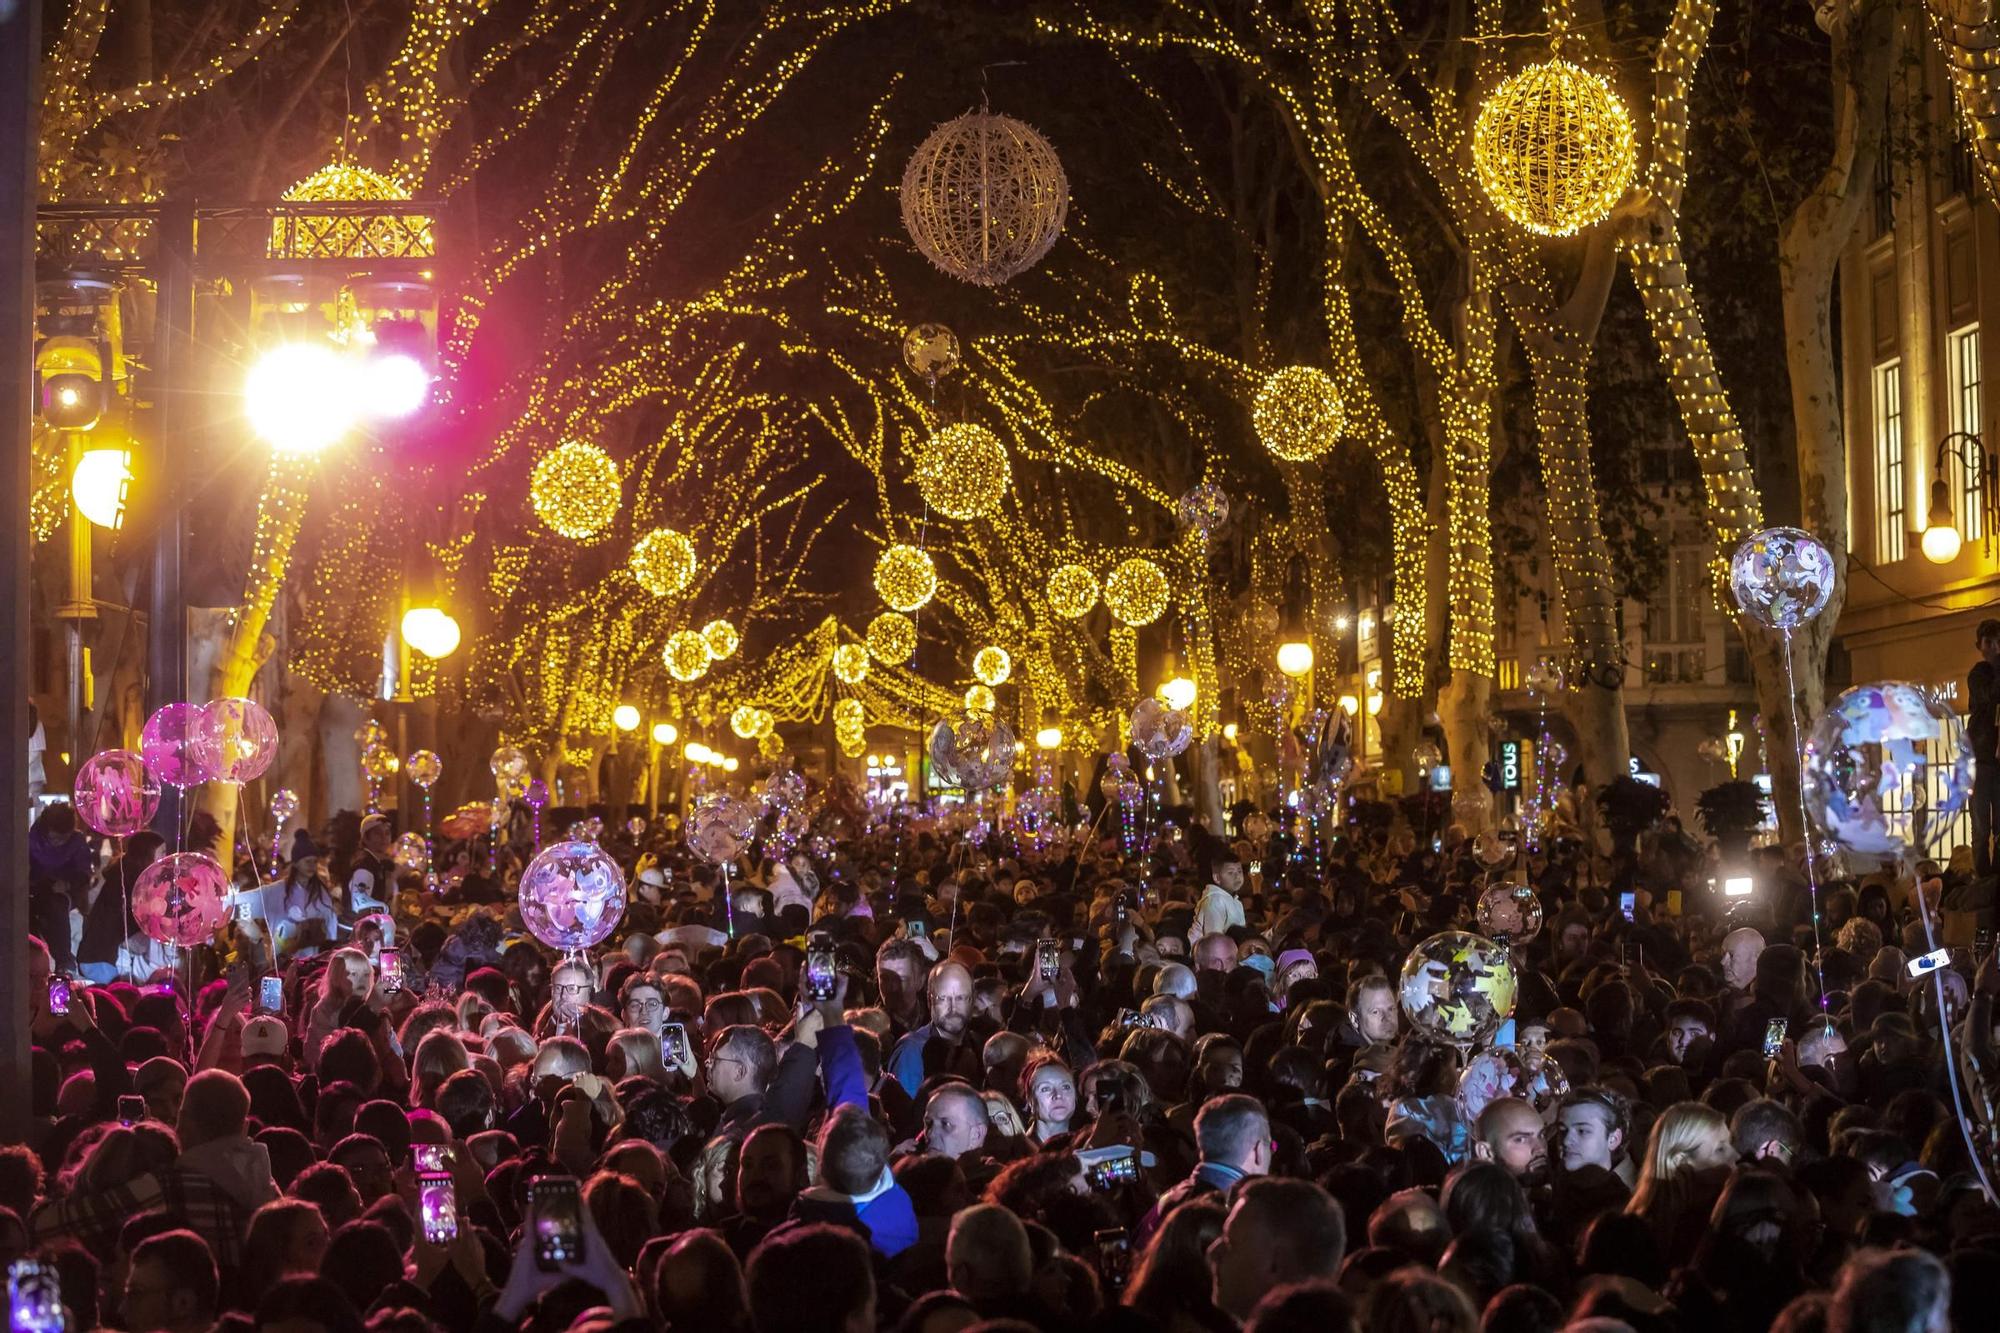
{"type": "Point", "coordinates": [300, 398]}
{"type": "Point", "coordinates": [625, 717]}
{"type": "Point", "coordinates": [431, 631]}
{"type": "Point", "coordinates": [394, 384]}
{"type": "Point", "coordinates": [100, 483]}
{"type": "Point", "coordinates": [665, 733]}
{"type": "Point", "coordinates": [729, 764]}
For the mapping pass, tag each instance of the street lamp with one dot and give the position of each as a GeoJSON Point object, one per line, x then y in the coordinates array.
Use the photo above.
{"type": "Point", "coordinates": [1050, 737]}
{"type": "Point", "coordinates": [1178, 693]}
{"type": "Point", "coordinates": [625, 717]}
{"type": "Point", "coordinates": [665, 733]}
{"type": "Point", "coordinates": [1295, 659]}
{"type": "Point", "coordinates": [300, 397]}
{"type": "Point", "coordinates": [431, 631]}
{"type": "Point", "coordinates": [102, 479]}
{"type": "Point", "coordinates": [1941, 539]}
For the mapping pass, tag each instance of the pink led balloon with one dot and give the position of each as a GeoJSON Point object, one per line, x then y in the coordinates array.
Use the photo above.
{"type": "Point", "coordinates": [234, 740]}
{"type": "Point", "coordinates": [167, 744]}
{"type": "Point", "coordinates": [572, 895]}
{"type": "Point", "coordinates": [114, 793]}
{"type": "Point", "coordinates": [180, 899]}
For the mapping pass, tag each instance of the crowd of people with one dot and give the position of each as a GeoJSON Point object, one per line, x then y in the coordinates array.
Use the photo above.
{"type": "Point", "coordinates": [917, 1074]}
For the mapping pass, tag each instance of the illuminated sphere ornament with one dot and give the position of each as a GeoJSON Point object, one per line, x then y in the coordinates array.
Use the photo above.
{"type": "Point", "coordinates": [167, 743]}
{"type": "Point", "coordinates": [663, 562]}
{"type": "Point", "coordinates": [235, 740]}
{"type": "Point", "coordinates": [1298, 413]}
{"type": "Point", "coordinates": [1136, 592]}
{"type": "Point", "coordinates": [931, 350]}
{"type": "Point", "coordinates": [979, 699]}
{"type": "Point", "coordinates": [743, 721]}
{"type": "Point", "coordinates": [1885, 768]}
{"type": "Point", "coordinates": [572, 895]}
{"type": "Point", "coordinates": [905, 577]}
{"type": "Point", "coordinates": [962, 472]}
{"type": "Point", "coordinates": [1204, 509]}
{"type": "Point", "coordinates": [992, 665]}
{"type": "Point", "coordinates": [722, 639]}
{"type": "Point", "coordinates": [1553, 148]}
{"type": "Point", "coordinates": [1782, 577]}
{"type": "Point", "coordinates": [974, 751]}
{"type": "Point", "coordinates": [575, 489]}
{"type": "Point", "coordinates": [181, 899]}
{"type": "Point", "coordinates": [114, 794]}
{"type": "Point", "coordinates": [376, 234]}
{"type": "Point", "coordinates": [850, 663]}
{"type": "Point", "coordinates": [849, 713]}
{"type": "Point", "coordinates": [1160, 731]}
{"type": "Point", "coordinates": [413, 854]}
{"type": "Point", "coordinates": [1072, 591]}
{"type": "Point", "coordinates": [380, 762]}
{"type": "Point", "coordinates": [1509, 912]}
{"type": "Point", "coordinates": [1457, 987]}
{"type": "Point", "coordinates": [509, 762]}
{"type": "Point", "coordinates": [425, 768]}
{"type": "Point", "coordinates": [686, 655]}
{"type": "Point", "coordinates": [892, 638]}
{"type": "Point", "coordinates": [984, 198]}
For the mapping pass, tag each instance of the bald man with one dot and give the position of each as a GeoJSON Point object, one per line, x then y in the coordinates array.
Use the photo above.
{"type": "Point", "coordinates": [1509, 1131]}
{"type": "Point", "coordinates": [949, 991]}
{"type": "Point", "coordinates": [1740, 951]}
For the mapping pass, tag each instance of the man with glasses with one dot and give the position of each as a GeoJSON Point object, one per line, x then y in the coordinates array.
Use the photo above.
{"type": "Point", "coordinates": [642, 1003]}
{"type": "Point", "coordinates": [569, 995]}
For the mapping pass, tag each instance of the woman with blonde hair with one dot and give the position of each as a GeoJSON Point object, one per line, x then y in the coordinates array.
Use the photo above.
{"type": "Point", "coordinates": [1687, 1159]}
{"type": "Point", "coordinates": [634, 1053]}
{"type": "Point", "coordinates": [439, 1055]}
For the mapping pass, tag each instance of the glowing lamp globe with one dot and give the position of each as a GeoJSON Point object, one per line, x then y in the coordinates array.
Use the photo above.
{"type": "Point", "coordinates": [1136, 592]}
{"type": "Point", "coordinates": [962, 472]}
{"type": "Point", "coordinates": [100, 484]}
{"type": "Point", "coordinates": [1178, 693]}
{"type": "Point", "coordinates": [575, 489]}
{"type": "Point", "coordinates": [665, 733]}
{"type": "Point", "coordinates": [300, 398]}
{"type": "Point", "coordinates": [1072, 591]}
{"type": "Point", "coordinates": [1941, 544]}
{"type": "Point", "coordinates": [686, 655]}
{"type": "Point", "coordinates": [992, 665]}
{"type": "Point", "coordinates": [431, 631]}
{"type": "Point", "coordinates": [696, 752]}
{"type": "Point", "coordinates": [905, 577]}
{"type": "Point", "coordinates": [1298, 413]}
{"type": "Point", "coordinates": [1553, 148]}
{"type": "Point", "coordinates": [393, 385]}
{"type": "Point", "coordinates": [1295, 658]}
{"type": "Point", "coordinates": [625, 717]}
{"type": "Point", "coordinates": [1049, 738]}
{"type": "Point", "coordinates": [663, 562]}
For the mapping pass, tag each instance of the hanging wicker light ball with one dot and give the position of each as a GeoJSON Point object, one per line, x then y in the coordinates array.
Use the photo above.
{"type": "Point", "coordinates": [575, 489]}
{"type": "Point", "coordinates": [1136, 592]}
{"type": "Point", "coordinates": [663, 562]}
{"type": "Point", "coordinates": [993, 665]}
{"type": "Point", "coordinates": [1298, 413]}
{"type": "Point", "coordinates": [686, 655]}
{"type": "Point", "coordinates": [743, 721]}
{"type": "Point", "coordinates": [984, 198]}
{"type": "Point", "coordinates": [979, 699]}
{"type": "Point", "coordinates": [1553, 148]}
{"type": "Point", "coordinates": [849, 713]}
{"type": "Point", "coordinates": [721, 638]}
{"type": "Point", "coordinates": [1072, 591]}
{"type": "Point", "coordinates": [962, 472]}
{"type": "Point", "coordinates": [905, 577]}
{"type": "Point", "coordinates": [850, 663]}
{"type": "Point", "coordinates": [892, 638]}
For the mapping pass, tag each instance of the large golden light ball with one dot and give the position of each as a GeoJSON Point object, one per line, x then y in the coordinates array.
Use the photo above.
{"type": "Point", "coordinates": [892, 638]}
{"type": "Point", "coordinates": [721, 638]}
{"type": "Point", "coordinates": [1136, 592]}
{"type": "Point", "coordinates": [686, 655]}
{"type": "Point", "coordinates": [743, 721]}
{"type": "Point", "coordinates": [905, 577]}
{"type": "Point", "coordinates": [849, 713]}
{"type": "Point", "coordinates": [663, 562]}
{"type": "Point", "coordinates": [575, 489]}
{"type": "Point", "coordinates": [1298, 413]}
{"type": "Point", "coordinates": [979, 699]}
{"type": "Point", "coordinates": [992, 665]}
{"type": "Point", "coordinates": [766, 724]}
{"type": "Point", "coordinates": [984, 198]}
{"type": "Point", "coordinates": [1072, 591]}
{"type": "Point", "coordinates": [850, 663]}
{"type": "Point", "coordinates": [1553, 148]}
{"type": "Point", "coordinates": [962, 472]}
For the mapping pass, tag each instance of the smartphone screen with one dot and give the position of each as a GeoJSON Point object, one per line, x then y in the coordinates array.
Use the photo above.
{"type": "Point", "coordinates": [429, 1158]}
{"type": "Point", "coordinates": [819, 975]}
{"type": "Point", "coordinates": [271, 994]}
{"type": "Point", "coordinates": [1113, 1172]}
{"type": "Point", "coordinates": [916, 928]}
{"type": "Point", "coordinates": [58, 994]}
{"type": "Point", "coordinates": [1982, 944]}
{"type": "Point", "coordinates": [438, 1201]}
{"type": "Point", "coordinates": [673, 1044]}
{"type": "Point", "coordinates": [1048, 958]}
{"type": "Point", "coordinates": [34, 1297]}
{"type": "Point", "coordinates": [1114, 1257]}
{"type": "Point", "coordinates": [553, 1203]}
{"type": "Point", "coordinates": [391, 962]}
{"type": "Point", "coordinates": [1774, 1037]}
{"type": "Point", "coordinates": [131, 1109]}
{"type": "Point", "coordinates": [1628, 905]}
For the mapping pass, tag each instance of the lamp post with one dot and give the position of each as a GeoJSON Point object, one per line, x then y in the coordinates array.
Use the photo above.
{"type": "Point", "coordinates": [1941, 539]}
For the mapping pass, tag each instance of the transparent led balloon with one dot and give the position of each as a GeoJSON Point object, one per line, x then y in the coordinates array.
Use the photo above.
{"type": "Point", "coordinates": [1885, 768]}
{"type": "Point", "coordinates": [234, 740]}
{"type": "Point", "coordinates": [181, 899]}
{"type": "Point", "coordinates": [1782, 577]}
{"type": "Point", "coordinates": [114, 794]}
{"type": "Point", "coordinates": [167, 744]}
{"type": "Point", "coordinates": [1457, 987]}
{"type": "Point", "coordinates": [572, 895]}
{"type": "Point", "coordinates": [1509, 912]}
